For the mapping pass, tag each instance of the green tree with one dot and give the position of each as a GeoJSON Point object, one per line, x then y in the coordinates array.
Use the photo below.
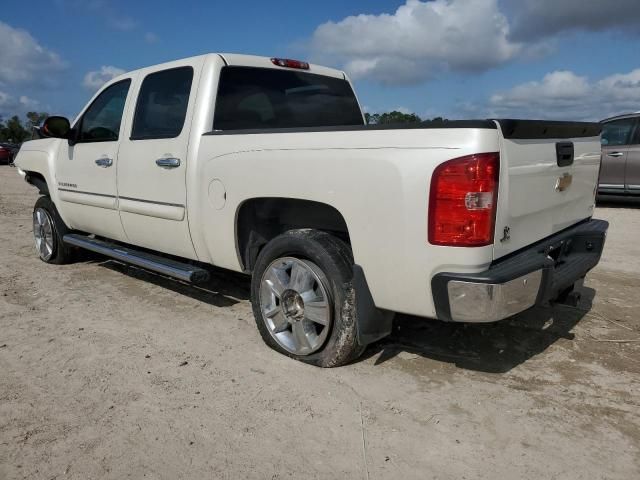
{"type": "Point", "coordinates": [436, 120]}
{"type": "Point", "coordinates": [13, 130]}
{"type": "Point", "coordinates": [35, 119]}
{"type": "Point", "coordinates": [391, 117]}
{"type": "Point", "coordinates": [399, 117]}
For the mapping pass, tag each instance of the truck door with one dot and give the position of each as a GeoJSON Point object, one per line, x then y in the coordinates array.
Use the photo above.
{"type": "Point", "coordinates": [153, 163]}
{"type": "Point", "coordinates": [615, 140]}
{"type": "Point", "coordinates": [632, 168]}
{"type": "Point", "coordinates": [86, 171]}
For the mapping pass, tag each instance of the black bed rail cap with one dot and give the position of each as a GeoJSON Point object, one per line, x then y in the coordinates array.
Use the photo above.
{"type": "Point", "coordinates": [541, 129]}
{"type": "Point", "coordinates": [485, 124]}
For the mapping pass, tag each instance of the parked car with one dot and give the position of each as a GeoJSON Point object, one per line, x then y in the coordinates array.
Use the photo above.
{"type": "Point", "coordinates": [8, 152]}
{"type": "Point", "coordinates": [620, 173]}
{"type": "Point", "coordinates": [265, 166]}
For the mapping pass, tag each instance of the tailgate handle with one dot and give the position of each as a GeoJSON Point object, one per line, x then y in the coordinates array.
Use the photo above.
{"type": "Point", "coordinates": [564, 154]}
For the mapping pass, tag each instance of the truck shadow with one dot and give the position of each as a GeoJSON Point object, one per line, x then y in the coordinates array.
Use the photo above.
{"type": "Point", "coordinates": [224, 288]}
{"type": "Point", "coordinates": [617, 201]}
{"type": "Point", "coordinates": [491, 348]}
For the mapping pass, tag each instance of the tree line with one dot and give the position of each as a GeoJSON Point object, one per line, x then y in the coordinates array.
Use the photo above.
{"type": "Point", "coordinates": [17, 130]}
{"type": "Point", "coordinates": [398, 117]}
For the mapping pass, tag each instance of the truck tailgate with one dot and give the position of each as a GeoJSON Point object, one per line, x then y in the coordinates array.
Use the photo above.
{"type": "Point", "coordinates": [549, 173]}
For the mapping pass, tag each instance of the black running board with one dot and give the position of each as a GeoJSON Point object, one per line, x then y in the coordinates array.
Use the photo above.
{"type": "Point", "coordinates": [164, 266]}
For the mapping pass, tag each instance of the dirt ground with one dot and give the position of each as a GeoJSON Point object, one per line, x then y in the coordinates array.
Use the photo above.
{"type": "Point", "coordinates": [110, 372]}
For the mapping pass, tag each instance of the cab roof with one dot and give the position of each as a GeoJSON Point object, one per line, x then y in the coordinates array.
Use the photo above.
{"type": "Point", "coordinates": [240, 60]}
{"type": "Point", "coordinates": [237, 59]}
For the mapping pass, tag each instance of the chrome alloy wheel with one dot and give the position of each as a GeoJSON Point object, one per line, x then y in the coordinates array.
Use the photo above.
{"type": "Point", "coordinates": [295, 305]}
{"type": "Point", "coordinates": [43, 233]}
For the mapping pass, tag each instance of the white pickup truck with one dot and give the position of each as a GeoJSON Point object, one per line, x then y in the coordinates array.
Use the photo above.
{"type": "Point", "coordinates": [265, 166]}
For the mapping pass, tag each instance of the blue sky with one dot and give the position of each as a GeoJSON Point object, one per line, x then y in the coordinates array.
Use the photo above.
{"type": "Point", "coordinates": [570, 59]}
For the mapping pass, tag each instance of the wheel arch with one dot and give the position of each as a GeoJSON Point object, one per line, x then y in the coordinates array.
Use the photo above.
{"type": "Point", "coordinates": [258, 220]}
{"type": "Point", "coordinates": [37, 180]}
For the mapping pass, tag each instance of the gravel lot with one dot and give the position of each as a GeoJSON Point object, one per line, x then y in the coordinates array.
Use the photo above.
{"type": "Point", "coordinates": [110, 372]}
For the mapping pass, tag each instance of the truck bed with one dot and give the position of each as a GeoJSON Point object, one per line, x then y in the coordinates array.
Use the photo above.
{"type": "Point", "coordinates": [529, 205]}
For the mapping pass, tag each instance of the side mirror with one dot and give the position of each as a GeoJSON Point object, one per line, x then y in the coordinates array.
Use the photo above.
{"type": "Point", "coordinates": [56, 127]}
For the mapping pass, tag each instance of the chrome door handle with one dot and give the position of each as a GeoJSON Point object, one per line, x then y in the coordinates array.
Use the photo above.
{"type": "Point", "coordinates": [104, 162]}
{"type": "Point", "coordinates": [615, 154]}
{"type": "Point", "coordinates": [168, 162]}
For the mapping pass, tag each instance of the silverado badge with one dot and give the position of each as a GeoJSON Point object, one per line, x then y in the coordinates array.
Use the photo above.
{"type": "Point", "coordinates": [563, 182]}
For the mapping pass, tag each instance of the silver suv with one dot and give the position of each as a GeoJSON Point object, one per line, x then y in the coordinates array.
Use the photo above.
{"type": "Point", "coordinates": [620, 171]}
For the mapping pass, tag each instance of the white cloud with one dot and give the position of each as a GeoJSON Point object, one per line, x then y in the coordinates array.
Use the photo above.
{"type": "Point", "coordinates": [565, 95]}
{"type": "Point", "coordinates": [427, 38]}
{"type": "Point", "coordinates": [94, 79]}
{"type": "Point", "coordinates": [533, 19]}
{"type": "Point", "coordinates": [623, 87]}
{"type": "Point", "coordinates": [151, 38]}
{"type": "Point", "coordinates": [28, 103]}
{"type": "Point", "coordinates": [4, 100]}
{"type": "Point", "coordinates": [123, 24]}
{"type": "Point", "coordinates": [558, 86]}
{"type": "Point", "coordinates": [10, 105]}
{"type": "Point", "coordinates": [404, 110]}
{"type": "Point", "coordinates": [104, 9]}
{"type": "Point", "coordinates": [420, 40]}
{"type": "Point", "coordinates": [23, 59]}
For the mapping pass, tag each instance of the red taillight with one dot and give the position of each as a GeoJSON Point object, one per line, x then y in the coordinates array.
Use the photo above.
{"type": "Point", "coordinates": [286, 62]}
{"type": "Point", "coordinates": [462, 201]}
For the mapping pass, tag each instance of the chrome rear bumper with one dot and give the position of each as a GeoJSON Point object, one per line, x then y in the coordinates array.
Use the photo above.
{"type": "Point", "coordinates": [489, 302]}
{"type": "Point", "coordinates": [532, 276]}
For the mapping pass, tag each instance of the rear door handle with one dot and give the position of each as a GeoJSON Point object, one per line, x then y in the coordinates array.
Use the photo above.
{"type": "Point", "coordinates": [615, 154]}
{"type": "Point", "coordinates": [104, 162]}
{"type": "Point", "coordinates": [168, 162]}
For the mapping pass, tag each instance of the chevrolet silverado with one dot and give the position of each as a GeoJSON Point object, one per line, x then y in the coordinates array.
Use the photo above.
{"type": "Point", "coordinates": [266, 166]}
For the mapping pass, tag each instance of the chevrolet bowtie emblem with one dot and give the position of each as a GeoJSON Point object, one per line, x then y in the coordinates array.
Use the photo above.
{"type": "Point", "coordinates": [563, 182]}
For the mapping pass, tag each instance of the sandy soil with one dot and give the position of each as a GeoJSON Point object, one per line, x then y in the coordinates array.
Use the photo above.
{"type": "Point", "coordinates": [110, 372]}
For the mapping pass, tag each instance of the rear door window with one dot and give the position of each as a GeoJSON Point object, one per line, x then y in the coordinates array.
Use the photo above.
{"type": "Point", "coordinates": [262, 98]}
{"type": "Point", "coordinates": [162, 104]}
{"type": "Point", "coordinates": [617, 132]}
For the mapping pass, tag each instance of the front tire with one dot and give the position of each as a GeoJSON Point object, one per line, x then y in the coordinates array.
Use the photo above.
{"type": "Point", "coordinates": [303, 299]}
{"type": "Point", "coordinates": [48, 230]}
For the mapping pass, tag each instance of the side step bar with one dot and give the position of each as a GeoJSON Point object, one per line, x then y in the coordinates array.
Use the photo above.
{"type": "Point", "coordinates": [165, 266]}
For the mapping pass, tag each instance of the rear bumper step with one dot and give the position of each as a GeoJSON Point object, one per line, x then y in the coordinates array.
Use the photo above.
{"type": "Point", "coordinates": [164, 266]}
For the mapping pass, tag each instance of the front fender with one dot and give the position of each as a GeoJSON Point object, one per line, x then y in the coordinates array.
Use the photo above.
{"type": "Point", "coordinates": [38, 156]}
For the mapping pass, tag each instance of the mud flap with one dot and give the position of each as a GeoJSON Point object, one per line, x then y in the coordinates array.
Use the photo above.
{"type": "Point", "coordinates": [373, 323]}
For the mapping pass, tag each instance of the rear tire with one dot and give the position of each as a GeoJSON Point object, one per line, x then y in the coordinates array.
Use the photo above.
{"type": "Point", "coordinates": [48, 230]}
{"type": "Point", "coordinates": [303, 299]}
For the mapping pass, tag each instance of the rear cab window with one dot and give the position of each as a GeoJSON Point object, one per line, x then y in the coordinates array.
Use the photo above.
{"type": "Point", "coordinates": [263, 98]}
